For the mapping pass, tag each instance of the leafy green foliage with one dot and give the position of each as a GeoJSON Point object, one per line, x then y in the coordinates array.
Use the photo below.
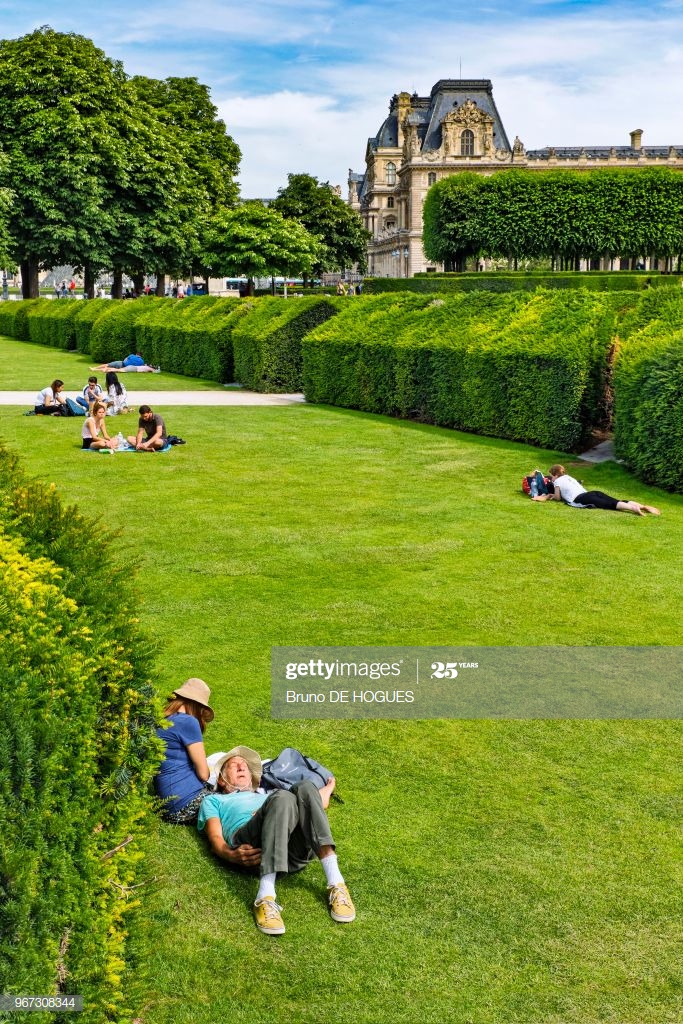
{"type": "Point", "coordinates": [53, 323]}
{"type": "Point", "coordinates": [648, 391]}
{"type": "Point", "coordinates": [113, 335]}
{"type": "Point", "coordinates": [192, 337]}
{"type": "Point", "coordinates": [560, 214]}
{"type": "Point", "coordinates": [257, 241]}
{"type": "Point", "coordinates": [267, 341]}
{"type": "Point", "coordinates": [88, 313]}
{"type": "Point", "coordinates": [434, 284]}
{"type": "Point", "coordinates": [14, 318]}
{"type": "Point", "coordinates": [340, 229]}
{"type": "Point", "coordinates": [77, 742]}
{"type": "Point", "coordinates": [527, 367]}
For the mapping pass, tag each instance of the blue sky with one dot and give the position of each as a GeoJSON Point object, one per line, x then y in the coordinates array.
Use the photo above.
{"type": "Point", "coordinates": [302, 86]}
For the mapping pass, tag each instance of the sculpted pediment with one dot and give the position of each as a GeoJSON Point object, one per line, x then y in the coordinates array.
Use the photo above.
{"type": "Point", "coordinates": [467, 131]}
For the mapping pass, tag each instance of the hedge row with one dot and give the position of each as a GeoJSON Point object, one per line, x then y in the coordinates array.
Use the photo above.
{"type": "Point", "coordinates": [14, 317]}
{"type": "Point", "coordinates": [648, 392]}
{"type": "Point", "coordinates": [430, 284]}
{"type": "Point", "coordinates": [530, 368]}
{"type": "Point", "coordinates": [77, 750]}
{"type": "Point", "coordinates": [267, 341]}
{"type": "Point", "coordinates": [193, 337]}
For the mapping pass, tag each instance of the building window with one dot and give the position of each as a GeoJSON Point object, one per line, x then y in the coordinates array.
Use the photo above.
{"type": "Point", "coordinates": [391, 173]}
{"type": "Point", "coordinates": [390, 225]}
{"type": "Point", "coordinates": [390, 202]}
{"type": "Point", "coordinates": [431, 179]}
{"type": "Point", "coordinates": [467, 143]}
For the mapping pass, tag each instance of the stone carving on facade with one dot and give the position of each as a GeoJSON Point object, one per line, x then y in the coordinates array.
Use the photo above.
{"type": "Point", "coordinates": [467, 116]}
{"type": "Point", "coordinates": [411, 140]}
{"type": "Point", "coordinates": [518, 147]}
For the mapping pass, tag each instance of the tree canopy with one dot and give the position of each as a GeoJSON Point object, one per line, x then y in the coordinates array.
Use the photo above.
{"type": "Point", "coordinates": [557, 214]}
{"type": "Point", "coordinates": [257, 241]}
{"type": "Point", "coordinates": [106, 171]}
{"type": "Point", "coordinates": [317, 206]}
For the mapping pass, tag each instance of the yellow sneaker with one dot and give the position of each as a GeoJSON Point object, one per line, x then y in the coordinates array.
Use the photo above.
{"type": "Point", "coordinates": [341, 904]}
{"type": "Point", "coordinates": [267, 916]}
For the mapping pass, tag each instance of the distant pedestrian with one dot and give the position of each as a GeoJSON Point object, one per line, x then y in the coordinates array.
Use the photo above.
{"type": "Point", "coordinates": [56, 290]}
{"type": "Point", "coordinates": [64, 292]}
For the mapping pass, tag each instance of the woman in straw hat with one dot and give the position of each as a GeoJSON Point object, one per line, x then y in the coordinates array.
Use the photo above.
{"type": "Point", "coordinates": [181, 781]}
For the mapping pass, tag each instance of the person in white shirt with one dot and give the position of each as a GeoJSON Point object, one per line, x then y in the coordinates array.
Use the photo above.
{"type": "Point", "coordinates": [50, 401]}
{"type": "Point", "coordinates": [574, 493]}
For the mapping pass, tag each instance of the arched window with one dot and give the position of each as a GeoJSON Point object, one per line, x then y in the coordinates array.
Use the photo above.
{"type": "Point", "coordinates": [390, 202]}
{"type": "Point", "coordinates": [431, 179]}
{"type": "Point", "coordinates": [391, 173]}
{"type": "Point", "coordinates": [390, 225]}
{"type": "Point", "coordinates": [467, 143]}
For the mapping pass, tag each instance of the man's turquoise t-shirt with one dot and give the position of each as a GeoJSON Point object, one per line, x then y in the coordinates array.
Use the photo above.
{"type": "Point", "coordinates": [233, 809]}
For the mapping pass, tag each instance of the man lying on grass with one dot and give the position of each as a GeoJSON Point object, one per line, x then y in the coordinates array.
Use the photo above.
{"type": "Point", "coordinates": [279, 832]}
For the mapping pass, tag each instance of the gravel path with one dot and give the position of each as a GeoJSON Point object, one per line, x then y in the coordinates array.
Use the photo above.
{"type": "Point", "coordinates": [135, 397]}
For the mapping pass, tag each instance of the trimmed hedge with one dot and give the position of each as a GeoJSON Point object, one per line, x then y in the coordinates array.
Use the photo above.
{"type": "Point", "coordinates": [192, 337]}
{"type": "Point", "coordinates": [526, 367]}
{"type": "Point", "coordinates": [648, 392]}
{"type": "Point", "coordinates": [77, 750]}
{"type": "Point", "coordinates": [13, 318]}
{"type": "Point", "coordinates": [595, 280]}
{"type": "Point", "coordinates": [114, 334]}
{"type": "Point", "coordinates": [52, 323]}
{"type": "Point", "coordinates": [267, 341]}
{"type": "Point", "coordinates": [88, 313]}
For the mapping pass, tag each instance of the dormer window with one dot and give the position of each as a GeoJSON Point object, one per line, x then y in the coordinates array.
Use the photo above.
{"type": "Point", "coordinates": [390, 202]}
{"type": "Point", "coordinates": [391, 173]}
{"type": "Point", "coordinates": [467, 143]}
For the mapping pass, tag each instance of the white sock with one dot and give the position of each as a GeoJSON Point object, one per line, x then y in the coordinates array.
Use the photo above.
{"type": "Point", "coordinates": [266, 886]}
{"type": "Point", "coordinates": [331, 869]}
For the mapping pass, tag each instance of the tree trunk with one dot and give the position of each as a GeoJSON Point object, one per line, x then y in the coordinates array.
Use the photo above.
{"type": "Point", "coordinates": [161, 285]}
{"type": "Point", "coordinates": [206, 285]}
{"type": "Point", "coordinates": [250, 287]}
{"type": "Point", "coordinates": [139, 282]}
{"type": "Point", "coordinates": [117, 286]}
{"type": "Point", "coordinates": [88, 282]}
{"type": "Point", "coordinates": [30, 286]}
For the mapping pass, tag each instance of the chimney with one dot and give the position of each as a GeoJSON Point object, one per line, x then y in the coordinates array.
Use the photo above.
{"type": "Point", "coordinates": [636, 138]}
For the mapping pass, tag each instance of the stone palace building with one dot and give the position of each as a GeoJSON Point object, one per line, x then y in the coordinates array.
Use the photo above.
{"type": "Point", "coordinates": [456, 128]}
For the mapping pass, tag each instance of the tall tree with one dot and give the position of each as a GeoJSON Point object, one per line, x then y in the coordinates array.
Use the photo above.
{"type": "Point", "coordinates": [183, 107]}
{"type": "Point", "coordinates": [60, 99]}
{"type": "Point", "coordinates": [317, 206]}
{"type": "Point", "coordinates": [257, 241]}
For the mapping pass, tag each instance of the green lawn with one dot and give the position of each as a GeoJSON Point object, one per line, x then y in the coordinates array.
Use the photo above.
{"type": "Point", "coordinates": [28, 367]}
{"type": "Point", "coordinates": [504, 872]}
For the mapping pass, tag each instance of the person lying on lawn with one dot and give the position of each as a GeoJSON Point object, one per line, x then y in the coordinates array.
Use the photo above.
{"type": "Point", "coordinates": [279, 832]}
{"type": "Point", "coordinates": [570, 490]}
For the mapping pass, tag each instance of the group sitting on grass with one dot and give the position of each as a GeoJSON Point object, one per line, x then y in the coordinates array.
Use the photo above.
{"type": "Point", "coordinates": [569, 490]}
{"type": "Point", "coordinates": [282, 831]}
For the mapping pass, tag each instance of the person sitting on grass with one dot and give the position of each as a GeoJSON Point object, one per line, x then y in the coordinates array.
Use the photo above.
{"type": "Point", "coordinates": [117, 397]}
{"type": "Point", "coordinates": [280, 832]}
{"type": "Point", "coordinates": [152, 427]}
{"type": "Point", "coordinates": [182, 780]}
{"type": "Point", "coordinates": [134, 363]}
{"type": "Point", "coordinates": [50, 401]}
{"type": "Point", "coordinates": [570, 490]}
{"type": "Point", "coordinates": [94, 426]}
{"type": "Point", "coordinates": [92, 392]}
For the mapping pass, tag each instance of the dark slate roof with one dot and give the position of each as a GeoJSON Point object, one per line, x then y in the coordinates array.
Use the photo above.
{"type": "Point", "coordinates": [602, 152]}
{"type": "Point", "coordinates": [449, 93]}
{"type": "Point", "coordinates": [355, 176]}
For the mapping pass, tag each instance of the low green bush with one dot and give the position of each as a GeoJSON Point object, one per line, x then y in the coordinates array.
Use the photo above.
{"type": "Point", "coordinates": [648, 391]}
{"type": "Point", "coordinates": [52, 323]}
{"type": "Point", "coordinates": [88, 313]}
{"type": "Point", "coordinates": [13, 318]}
{"type": "Point", "coordinates": [529, 367]}
{"type": "Point", "coordinates": [267, 341]}
{"type": "Point", "coordinates": [77, 749]}
{"type": "Point", "coordinates": [192, 337]}
{"type": "Point", "coordinates": [509, 282]}
{"type": "Point", "coordinates": [113, 335]}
